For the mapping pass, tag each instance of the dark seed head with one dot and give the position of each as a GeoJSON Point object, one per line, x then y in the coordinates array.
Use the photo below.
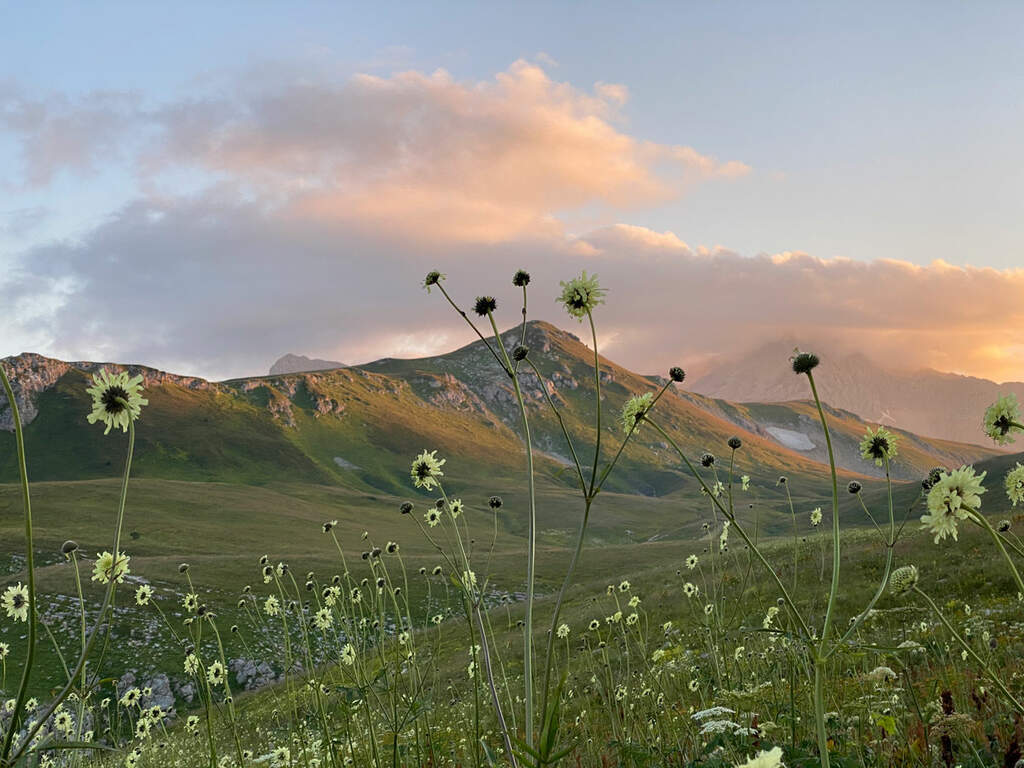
{"type": "Point", "coordinates": [676, 373]}
{"type": "Point", "coordinates": [494, 502]}
{"type": "Point", "coordinates": [485, 305]}
{"type": "Point", "coordinates": [406, 507]}
{"type": "Point", "coordinates": [68, 547]}
{"type": "Point", "coordinates": [520, 352]}
{"type": "Point", "coordinates": [433, 278]}
{"type": "Point", "coordinates": [707, 459]}
{"type": "Point", "coordinates": [521, 278]}
{"type": "Point", "coordinates": [735, 443]}
{"type": "Point", "coordinates": [183, 568]}
{"type": "Point", "coordinates": [804, 362]}
{"type": "Point", "coordinates": [854, 487]}
{"type": "Point", "coordinates": [933, 477]}
{"type": "Point", "coordinates": [113, 399]}
{"type": "Point", "coordinates": [1004, 526]}
{"type": "Point", "coordinates": [782, 480]}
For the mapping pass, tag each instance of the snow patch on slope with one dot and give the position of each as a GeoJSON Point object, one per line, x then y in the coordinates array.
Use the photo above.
{"type": "Point", "coordinates": [797, 441]}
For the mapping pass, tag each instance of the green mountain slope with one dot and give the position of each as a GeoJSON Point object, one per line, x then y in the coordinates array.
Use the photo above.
{"type": "Point", "coordinates": [360, 426]}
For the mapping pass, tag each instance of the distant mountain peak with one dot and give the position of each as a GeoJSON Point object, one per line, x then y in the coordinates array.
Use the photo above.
{"type": "Point", "coordinates": [301, 364]}
{"type": "Point", "coordinates": [924, 401]}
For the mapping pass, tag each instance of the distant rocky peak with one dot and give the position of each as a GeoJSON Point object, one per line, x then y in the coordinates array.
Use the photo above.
{"type": "Point", "coordinates": [301, 364]}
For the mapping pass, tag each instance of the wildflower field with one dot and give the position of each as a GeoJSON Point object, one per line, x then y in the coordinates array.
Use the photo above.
{"type": "Point", "coordinates": [796, 619]}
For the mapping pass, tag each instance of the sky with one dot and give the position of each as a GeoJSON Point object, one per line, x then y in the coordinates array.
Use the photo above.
{"type": "Point", "coordinates": [203, 187]}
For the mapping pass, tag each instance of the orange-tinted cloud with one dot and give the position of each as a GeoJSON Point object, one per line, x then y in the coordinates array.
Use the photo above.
{"type": "Point", "coordinates": [961, 319]}
{"type": "Point", "coordinates": [447, 160]}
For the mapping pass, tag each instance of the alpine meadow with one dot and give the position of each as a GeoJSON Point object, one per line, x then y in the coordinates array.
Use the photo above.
{"type": "Point", "coordinates": [361, 405]}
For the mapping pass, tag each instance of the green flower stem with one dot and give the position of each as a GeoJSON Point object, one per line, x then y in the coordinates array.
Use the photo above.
{"type": "Point", "coordinates": [890, 544]}
{"type": "Point", "coordinates": [487, 344]}
{"type": "Point", "coordinates": [588, 502]}
{"type": "Point", "coordinates": [787, 598]}
{"type": "Point", "coordinates": [834, 588]}
{"type": "Point", "coordinates": [9, 762]}
{"type": "Point", "coordinates": [597, 390]}
{"type": "Point", "coordinates": [26, 672]}
{"type": "Point", "coordinates": [819, 659]}
{"type": "Point", "coordinates": [531, 554]}
{"type": "Point", "coordinates": [988, 670]}
{"type": "Point", "coordinates": [490, 683]}
{"type": "Point", "coordinates": [561, 423]}
{"type": "Point", "coordinates": [980, 519]}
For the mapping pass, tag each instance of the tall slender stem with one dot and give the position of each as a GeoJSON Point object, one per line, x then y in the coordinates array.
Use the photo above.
{"type": "Point", "coordinates": [94, 633]}
{"type": "Point", "coordinates": [820, 653]}
{"type": "Point", "coordinates": [1002, 549]}
{"type": "Point", "coordinates": [786, 597]}
{"type": "Point", "coordinates": [531, 552]}
{"type": "Point", "coordinates": [30, 655]}
{"type": "Point", "coordinates": [597, 389]}
{"type": "Point", "coordinates": [995, 678]}
{"type": "Point", "coordinates": [890, 544]}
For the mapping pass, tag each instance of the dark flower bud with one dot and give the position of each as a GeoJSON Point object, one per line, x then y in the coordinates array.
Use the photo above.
{"type": "Point", "coordinates": [433, 278]}
{"type": "Point", "coordinates": [782, 480]}
{"type": "Point", "coordinates": [804, 362]}
{"type": "Point", "coordinates": [707, 459]}
{"type": "Point", "coordinates": [735, 443]}
{"type": "Point", "coordinates": [676, 373]}
{"type": "Point", "coordinates": [264, 560]}
{"type": "Point", "coordinates": [406, 507]}
{"type": "Point", "coordinates": [365, 555]}
{"type": "Point", "coordinates": [68, 547]}
{"type": "Point", "coordinates": [854, 487]}
{"type": "Point", "coordinates": [485, 305]}
{"type": "Point", "coordinates": [494, 502]}
{"type": "Point", "coordinates": [933, 477]}
{"type": "Point", "coordinates": [521, 278]}
{"type": "Point", "coordinates": [520, 352]}
{"type": "Point", "coordinates": [183, 568]}
{"type": "Point", "coordinates": [234, 628]}
{"type": "Point", "coordinates": [336, 580]}
{"type": "Point", "coordinates": [1004, 526]}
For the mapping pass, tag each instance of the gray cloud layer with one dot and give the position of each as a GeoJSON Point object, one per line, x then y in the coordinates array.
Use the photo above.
{"type": "Point", "coordinates": [327, 202]}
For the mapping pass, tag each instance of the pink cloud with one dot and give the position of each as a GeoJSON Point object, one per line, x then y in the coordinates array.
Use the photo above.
{"type": "Point", "coordinates": [449, 160]}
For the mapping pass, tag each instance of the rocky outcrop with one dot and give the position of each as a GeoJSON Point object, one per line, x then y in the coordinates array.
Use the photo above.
{"type": "Point", "coordinates": [33, 374]}
{"type": "Point", "coordinates": [251, 674]}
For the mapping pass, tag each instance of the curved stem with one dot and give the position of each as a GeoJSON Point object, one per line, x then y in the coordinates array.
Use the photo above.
{"type": "Point", "coordinates": [94, 633]}
{"type": "Point", "coordinates": [531, 553]}
{"type": "Point", "coordinates": [834, 588]}
{"type": "Point", "coordinates": [819, 660]}
{"type": "Point", "coordinates": [1002, 549]}
{"type": "Point", "coordinates": [26, 672]}
{"type": "Point", "coordinates": [597, 389]}
{"type": "Point", "coordinates": [787, 598]}
{"type": "Point", "coordinates": [995, 678]}
{"type": "Point", "coordinates": [549, 653]}
{"type": "Point", "coordinates": [561, 423]}
{"type": "Point", "coordinates": [890, 544]}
